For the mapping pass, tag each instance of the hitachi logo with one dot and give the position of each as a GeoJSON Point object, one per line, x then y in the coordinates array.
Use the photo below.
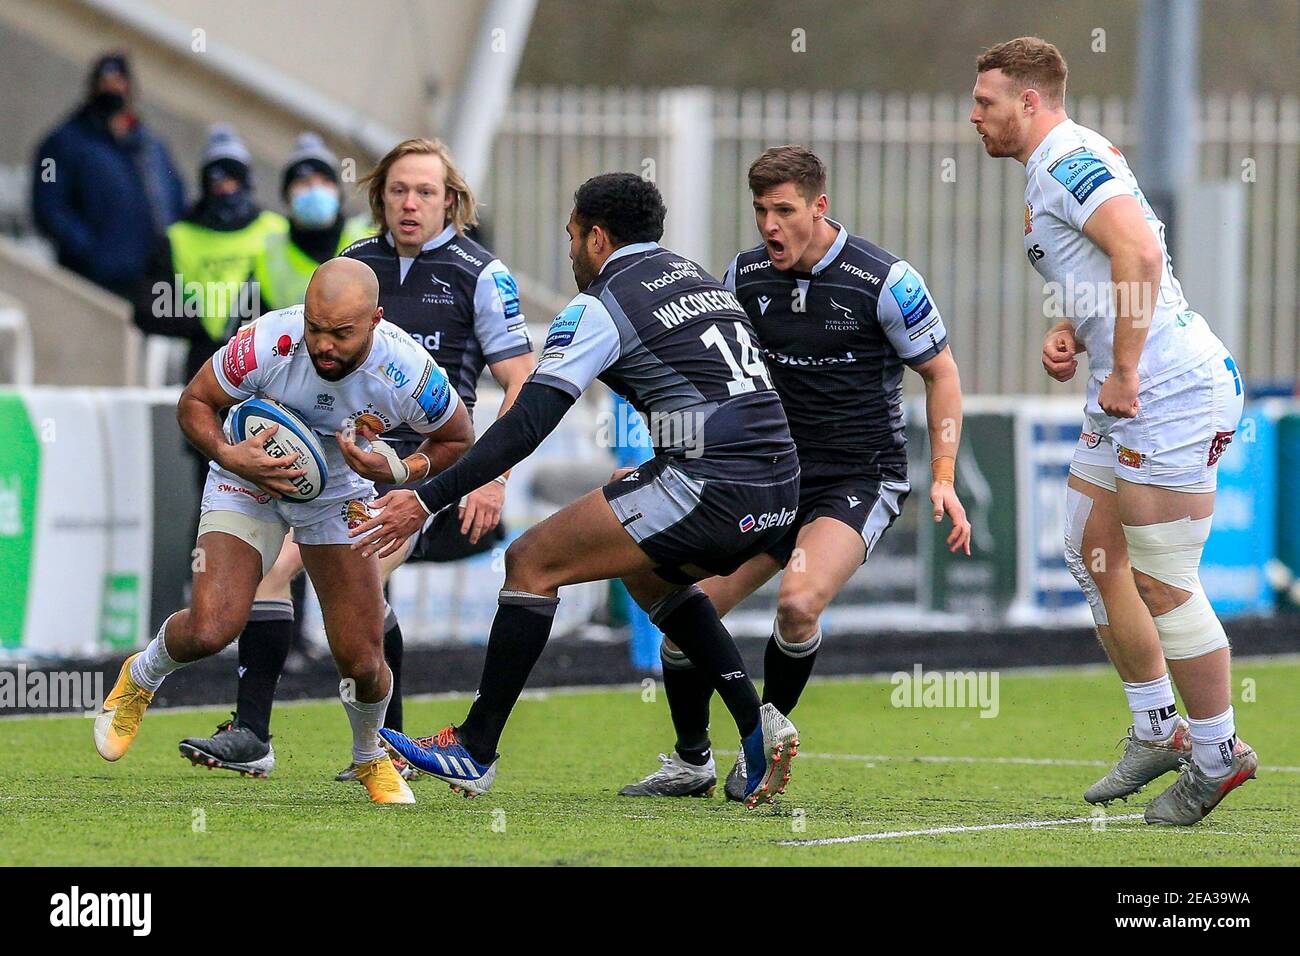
{"type": "Point", "coordinates": [755, 265]}
{"type": "Point", "coordinates": [465, 255]}
{"type": "Point", "coordinates": [696, 303]}
{"type": "Point", "coordinates": [682, 271]}
{"type": "Point", "coordinates": [860, 273]}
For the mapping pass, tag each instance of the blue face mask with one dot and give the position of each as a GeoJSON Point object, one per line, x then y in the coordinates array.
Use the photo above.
{"type": "Point", "coordinates": [315, 208]}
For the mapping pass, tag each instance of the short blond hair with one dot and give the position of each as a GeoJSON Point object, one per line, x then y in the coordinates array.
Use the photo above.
{"type": "Point", "coordinates": [1029, 62]}
{"type": "Point", "coordinates": [463, 211]}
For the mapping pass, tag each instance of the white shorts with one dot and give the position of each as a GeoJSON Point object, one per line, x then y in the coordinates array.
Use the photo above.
{"type": "Point", "coordinates": [327, 520]}
{"type": "Point", "coordinates": [1182, 426]}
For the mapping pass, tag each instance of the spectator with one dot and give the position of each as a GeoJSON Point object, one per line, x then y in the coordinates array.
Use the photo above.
{"type": "Point", "coordinates": [198, 284]}
{"type": "Point", "coordinates": [318, 227]}
{"type": "Point", "coordinates": [104, 186]}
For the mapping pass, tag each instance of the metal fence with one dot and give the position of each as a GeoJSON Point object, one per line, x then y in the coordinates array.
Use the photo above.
{"type": "Point", "coordinates": [905, 171]}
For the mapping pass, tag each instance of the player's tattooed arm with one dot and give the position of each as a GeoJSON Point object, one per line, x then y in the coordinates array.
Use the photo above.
{"type": "Point", "coordinates": [1119, 229]}
{"type": "Point", "coordinates": [943, 419]}
{"type": "Point", "coordinates": [198, 413]}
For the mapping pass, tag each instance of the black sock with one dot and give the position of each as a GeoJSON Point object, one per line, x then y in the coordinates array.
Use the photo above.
{"type": "Point", "coordinates": [689, 691]}
{"type": "Point", "coordinates": [393, 655]}
{"type": "Point", "coordinates": [689, 620]}
{"type": "Point", "coordinates": [263, 646]}
{"type": "Point", "coordinates": [786, 669]}
{"type": "Point", "coordinates": [519, 633]}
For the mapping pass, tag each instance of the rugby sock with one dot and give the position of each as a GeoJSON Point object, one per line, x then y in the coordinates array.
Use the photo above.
{"type": "Point", "coordinates": [1154, 712]}
{"type": "Point", "coordinates": [393, 655]}
{"type": "Point", "coordinates": [519, 633]}
{"type": "Point", "coordinates": [1212, 743]}
{"type": "Point", "coordinates": [263, 648]}
{"type": "Point", "coordinates": [786, 669]}
{"type": "Point", "coordinates": [688, 690]}
{"type": "Point", "coordinates": [688, 618]}
{"type": "Point", "coordinates": [366, 719]}
{"type": "Point", "coordinates": [149, 669]}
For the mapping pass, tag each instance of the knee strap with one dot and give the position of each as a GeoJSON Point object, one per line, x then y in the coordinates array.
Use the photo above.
{"type": "Point", "coordinates": [1077, 508]}
{"type": "Point", "coordinates": [1170, 552]}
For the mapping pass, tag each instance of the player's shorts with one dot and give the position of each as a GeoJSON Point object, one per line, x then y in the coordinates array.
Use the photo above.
{"type": "Point", "coordinates": [326, 520]}
{"type": "Point", "coordinates": [866, 498]}
{"type": "Point", "coordinates": [440, 539]}
{"type": "Point", "coordinates": [1182, 426]}
{"type": "Point", "coordinates": [679, 519]}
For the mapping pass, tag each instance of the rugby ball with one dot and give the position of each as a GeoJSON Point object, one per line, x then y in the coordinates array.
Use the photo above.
{"type": "Point", "coordinates": [256, 415]}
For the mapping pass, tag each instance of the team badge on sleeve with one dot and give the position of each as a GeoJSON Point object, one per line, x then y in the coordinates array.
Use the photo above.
{"type": "Point", "coordinates": [909, 293]}
{"type": "Point", "coordinates": [1081, 173]}
{"type": "Point", "coordinates": [509, 292]}
{"type": "Point", "coordinates": [563, 327]}
{"type": "Point", "coordinates": [433, 392]}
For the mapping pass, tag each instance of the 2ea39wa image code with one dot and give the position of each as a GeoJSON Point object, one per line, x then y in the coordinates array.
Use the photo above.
{"type": "Point", "coordinates": [513, 442]}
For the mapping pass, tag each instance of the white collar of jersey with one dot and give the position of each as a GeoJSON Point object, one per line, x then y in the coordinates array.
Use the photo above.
{"type": "Point", "coordinates": [836, 247]}
{"type": "Point", "coordinates": [629, 250]}
{"type": "Point", "coordinates": [441, 239]}
{"type": "Point", "coordinates": [1045, 147]}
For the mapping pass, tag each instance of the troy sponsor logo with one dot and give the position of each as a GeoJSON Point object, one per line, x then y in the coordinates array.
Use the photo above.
{"type": "Point", "coordinates": [695, 304]}
{"type": "Point", "coordinates": [396, 375]}
{"type": "Point", "coordinates": [1091, 439]}
{"type": "Point", "coordinates": [755, 265]}
{"type": "Point", "coordinates": [1218, 443]}
{"type": "Point", "coordinates": [472, 260]}
{"type": "Point", "coordinates": [773, 519]}
{"type": "Point", "coordinates": [1128, 457]}
{"type": "Point", "coordinates": [681, 270]}
{"type": "Point", "coordinates": [862, 274]}
{"type": "Point", "coordinates": [259, 496]}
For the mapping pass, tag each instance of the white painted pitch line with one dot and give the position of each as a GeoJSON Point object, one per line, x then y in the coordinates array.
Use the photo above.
{"type": "Point", "coordinates": [934, 831]}
{"type": "Point", "coordinates": [1019, 761]}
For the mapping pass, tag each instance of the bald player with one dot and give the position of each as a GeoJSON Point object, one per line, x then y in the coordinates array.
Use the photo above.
{"type": "Point", "coordinates": [331, 360]}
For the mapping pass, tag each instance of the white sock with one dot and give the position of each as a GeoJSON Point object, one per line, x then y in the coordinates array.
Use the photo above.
{"type": "Point", "coordinates": [366, 719]}
{"type": "Point", "coordinates": [149, 669]}
{"type": "Point", "coordinates": [1212, 743]}
{"type": "Point", "coordinates": [1154, 712]}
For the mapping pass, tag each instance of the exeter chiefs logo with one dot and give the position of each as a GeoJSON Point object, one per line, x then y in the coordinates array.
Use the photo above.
{"type": "Point", "coordinates": [355, 513]}
{"type": "Point", "coordinates": [369, 417]}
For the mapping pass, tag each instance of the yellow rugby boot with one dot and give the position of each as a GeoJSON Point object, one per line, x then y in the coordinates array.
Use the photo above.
{"type": "Point", "coordinates": [383, 782]}
{"type": "Point", "coordinates": [118, 721]}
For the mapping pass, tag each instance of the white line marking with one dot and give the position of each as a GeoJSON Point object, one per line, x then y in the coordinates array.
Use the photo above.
{"type": "Point", "coordinates": [1018, 761]}
{"type": "Point", "coordinates": [1024, 825]}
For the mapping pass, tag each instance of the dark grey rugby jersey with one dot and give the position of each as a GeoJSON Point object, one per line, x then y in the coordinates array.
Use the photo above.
{"type": "Point", "coordinates": [455, 298]}
{"type": "Point", "coordinates": [659, 330]}
{"type": "Point", "coordinates": [836, 339]}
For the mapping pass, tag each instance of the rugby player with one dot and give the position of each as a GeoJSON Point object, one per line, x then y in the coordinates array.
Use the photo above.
{"type": "Point", "coordinates": [1164, 399]}
{"type": "Point", "coordinates": [461, 304]}
{"type": "Point", "coordinates": [838, 319]}
{"type": "Point", "coordinates": [334, 361]}
{"type": "Point", "coordinates": [723, 485]}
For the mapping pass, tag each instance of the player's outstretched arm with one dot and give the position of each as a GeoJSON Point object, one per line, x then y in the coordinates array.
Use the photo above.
{"type": "Point", "coordinates": [198, 413]}
{"type": "Point", "coordinates": [512, 438]}
{"type": "Point", "coordinates": [1119, 229]}
{"type": "Point", "coordinates": [943, 418]}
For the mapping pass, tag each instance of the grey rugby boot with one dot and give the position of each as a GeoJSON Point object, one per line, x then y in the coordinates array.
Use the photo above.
{"type": "Point", "coordinates": [1143, 761]}
{"type": "Point", "coordinates": [675, 778]}
{"type": "Point", "coordinates": [232, 747]}
{"type": "Point", "coordinates": [734, 788]}
{"type": "Point", "coordinates": [1193, 795]}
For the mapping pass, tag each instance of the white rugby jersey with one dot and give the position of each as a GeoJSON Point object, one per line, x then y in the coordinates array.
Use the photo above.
{"type": "Point", "coordinates": [397, 383]}
{"type": "Point", "coordinates": [1072, 172]}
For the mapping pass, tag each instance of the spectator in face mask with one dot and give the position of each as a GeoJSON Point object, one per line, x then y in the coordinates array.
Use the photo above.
{"type": "Point", "coordinates": [200, 278]}
{"type": "Point", "coordinates": [104, 186]}
{"type": "Point", "coordinates": [318, 227]}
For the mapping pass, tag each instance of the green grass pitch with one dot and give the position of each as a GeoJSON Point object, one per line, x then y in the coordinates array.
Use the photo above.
{"type": "Point", "coordinates": [865, 767]}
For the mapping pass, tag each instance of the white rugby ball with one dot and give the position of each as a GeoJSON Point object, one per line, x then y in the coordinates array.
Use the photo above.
{"type": "Point", "coordinates": [255, 416]}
